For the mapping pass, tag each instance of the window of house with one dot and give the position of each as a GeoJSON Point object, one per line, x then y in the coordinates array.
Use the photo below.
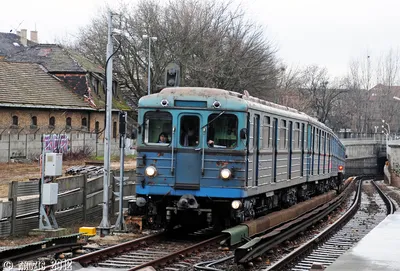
{"type": "Point", "coordinates": [95, 84]}
{"type": "Point", "coordinates": [115, 129]}
{"type": "Point", "coordinates": [33, 122]}
{"type": "Point", "coordinates": [15, 120]}
{"type": "Point", "coordinates": [52, 121]}
{"type": "Point", "coordinates": [97, 127]}
{"type": "Point", "coordinates": [114, 88]}
{"type": "Point", "coordinates": [68, 122]}
{"type": "Point", "coordinates": [84, 123]}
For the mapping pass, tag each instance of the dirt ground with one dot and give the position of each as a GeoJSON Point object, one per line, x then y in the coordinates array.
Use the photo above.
{"type": "Point", "coordinates": [25, 171]}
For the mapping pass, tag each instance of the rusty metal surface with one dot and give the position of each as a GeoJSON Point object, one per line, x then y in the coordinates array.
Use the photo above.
{"type": "Point", "coordinates": [271, 220]}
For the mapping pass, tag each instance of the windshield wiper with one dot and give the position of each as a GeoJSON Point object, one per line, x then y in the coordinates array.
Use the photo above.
{"type": "Point", "coordinates": [219, 115]}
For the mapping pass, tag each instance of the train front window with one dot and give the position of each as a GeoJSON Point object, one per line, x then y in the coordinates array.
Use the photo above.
{"type": "Point", "coordinates": [222, 131]}
{"type": "Point", "coordinates": [157, 128]}
{"type": "Point", "coordinates": [190, 130]}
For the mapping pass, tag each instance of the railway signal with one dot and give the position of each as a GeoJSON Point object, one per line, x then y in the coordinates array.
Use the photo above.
{"type": "Point", "coordinates": [172, 75]}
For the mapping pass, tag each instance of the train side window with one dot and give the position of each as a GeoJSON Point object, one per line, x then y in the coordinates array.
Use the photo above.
{"type": "Point", "coordinates": [155, 124]}
{"type": "Point", "coordinates": [283, 135]}
{"type": "Point", "coordinates": [222, 130]}
{"type": "Point", "coordinates": [303, 137]}
{"type": "Point", "coordinates": [266, 133]}
{"type": "Point", "coordinates": [316, 146]}
{"type": "Point", "coordinates": [297, 138]}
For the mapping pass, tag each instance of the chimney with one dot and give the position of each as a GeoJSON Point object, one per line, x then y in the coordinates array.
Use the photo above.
{"type": "Point", "coordinates": [24, 37]}
{"type": "Point", "coordinates": [34, 36]}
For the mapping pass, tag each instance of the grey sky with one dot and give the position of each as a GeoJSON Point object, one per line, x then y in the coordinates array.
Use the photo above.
{"type": "Point", "coordinates": [328, 33]}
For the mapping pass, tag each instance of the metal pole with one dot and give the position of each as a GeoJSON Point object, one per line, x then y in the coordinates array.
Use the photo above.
{"type": "Point", "coordinates": [387, 145]}
{"type": "Point", "coordinates": [149, 75]}
{"type": "Point", "coordinates": [120, 225]}
{"type": "Point", "coordinates": [105, 222]}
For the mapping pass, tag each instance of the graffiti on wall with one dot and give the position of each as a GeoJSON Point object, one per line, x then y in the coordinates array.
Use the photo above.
{"type": "Point", "coordinates": [58, 143]}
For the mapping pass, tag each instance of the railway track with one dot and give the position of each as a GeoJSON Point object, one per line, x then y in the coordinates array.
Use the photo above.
{"type": "Point", "coordinates": [155, 250]}
{"type": "Point", "coordinates": [51, 246]}
{"type": "Point", "coordinates": [365, 213]}
{"type": "Point", "coordinates": [161, 251]}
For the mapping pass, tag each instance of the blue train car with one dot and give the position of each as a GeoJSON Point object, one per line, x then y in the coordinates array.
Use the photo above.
{"type": "Point", "coordinates": [220, 157]}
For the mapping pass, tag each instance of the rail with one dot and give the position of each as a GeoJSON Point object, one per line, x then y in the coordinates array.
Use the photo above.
{"type": "Point", "coordinates": [279, 265]}
{"type": "Point", "coordinates": [391, 208]}
{"type": "Point", "coordinates": [44, 248]}
{"type": "Point", "coordinates": [259, 245]}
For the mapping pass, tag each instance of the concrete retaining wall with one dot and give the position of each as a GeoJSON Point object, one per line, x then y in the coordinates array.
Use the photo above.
{"type": "Point", "coordinates": [29, 145]}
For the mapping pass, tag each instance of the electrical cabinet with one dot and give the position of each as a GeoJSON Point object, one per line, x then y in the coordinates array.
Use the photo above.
{"type": "Point", "coordinates": [50, 194]}
{"type": "Point", "coordinates": [53, 164]}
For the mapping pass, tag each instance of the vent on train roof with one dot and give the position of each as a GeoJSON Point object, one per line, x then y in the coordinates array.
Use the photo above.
{"type": "Point", "coordinates": [247, 96]}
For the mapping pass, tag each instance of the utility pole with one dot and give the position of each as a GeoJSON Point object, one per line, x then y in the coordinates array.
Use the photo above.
{"type": "Point", "coordinates": [149, 64]}
{"type": "Point", "coordinates": [105, 222]}
{"type": "Point", "coordinates": [120, 225]}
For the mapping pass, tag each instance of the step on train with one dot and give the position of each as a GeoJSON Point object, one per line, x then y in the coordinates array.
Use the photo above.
{"type": "Point", "coordinates": [212, 157]}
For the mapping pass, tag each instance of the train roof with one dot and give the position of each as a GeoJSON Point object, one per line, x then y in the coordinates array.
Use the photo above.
{"type": "Point", "coordinates": [236, 101]}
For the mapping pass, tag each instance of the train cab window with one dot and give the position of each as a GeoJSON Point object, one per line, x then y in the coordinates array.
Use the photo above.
{"type": "Point", "coordinates": [189, 131]}
{"type": "Point", "coordinates": [222, 131]}
{"type": "Point", "coordinates": [157, 128]}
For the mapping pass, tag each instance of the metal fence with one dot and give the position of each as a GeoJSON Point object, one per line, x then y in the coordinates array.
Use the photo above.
{"type": "Point", "coordinates": [79, 200]}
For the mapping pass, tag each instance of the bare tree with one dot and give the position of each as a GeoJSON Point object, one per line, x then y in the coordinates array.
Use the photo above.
{"type": "Point", "coordinates": [388, 69]}
{"type": "Point", "coordinates": [211, 41]}
{"type": "Point", "coordinates": [358, 82]}
{"type": "Point", "coordinates": [319, 94]}
{"type": "Point", "coordinates": [287, 91]}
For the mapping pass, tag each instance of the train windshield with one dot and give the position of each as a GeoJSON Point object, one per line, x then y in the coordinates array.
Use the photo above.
{"type": "Point", "coordinates": [190, 129]}
{"type": "Point", "coordinates": [157, 128]}
{"type": "Point", "coordinates": [223, 130]}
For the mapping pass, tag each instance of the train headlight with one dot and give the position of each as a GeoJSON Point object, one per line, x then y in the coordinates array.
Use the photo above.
{"type": "Point", "coordinates": [150, 171]}
{"type": "Point", "coordinates": [236, 204]}
{"type": "Point", "coordinates": [340, 168]}
{"type": "Point", "coordinates": [225, 173]}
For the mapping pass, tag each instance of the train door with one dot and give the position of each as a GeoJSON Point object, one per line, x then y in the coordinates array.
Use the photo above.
{"type": "Point", "coordinates": [302, 150]}
{"type": "Point", "coordinates": [256, 147]}
{"type": "Point", "coordinates": [329, 153]}
{"type": "Point", "coordinates": [247, 149]}
{"type": "Point", "coordinates": [274, 148]}
{"type": "Point", "coordinates": [324, 152]}
{"type": "Point", "coordinates": [290, 149]}
{"type": "Point", "coordinates": [313, 150]}
{"type": "Point", "coordinates": [319, 134]}
{"type": "Point", "coordinates": [188, 159]}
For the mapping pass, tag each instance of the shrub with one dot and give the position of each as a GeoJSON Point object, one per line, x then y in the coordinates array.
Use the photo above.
{"type": "Point", "coordinates": [78, 153]}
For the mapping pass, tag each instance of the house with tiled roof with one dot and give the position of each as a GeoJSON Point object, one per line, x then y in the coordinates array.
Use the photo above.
{"type": "Point", "coordinates": [37, 102]}
{"type": "Point", "coordinates": [11, 43]}
{"type": "Point", "coordinates": [76, 71]}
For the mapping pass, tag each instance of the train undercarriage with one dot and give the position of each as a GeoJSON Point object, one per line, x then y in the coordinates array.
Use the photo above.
{"type": "Point", "coordinates": [199, 212]}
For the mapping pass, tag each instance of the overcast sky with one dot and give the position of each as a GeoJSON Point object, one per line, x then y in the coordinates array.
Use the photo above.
{"type": "Point", "coordinates": [327, 33]}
